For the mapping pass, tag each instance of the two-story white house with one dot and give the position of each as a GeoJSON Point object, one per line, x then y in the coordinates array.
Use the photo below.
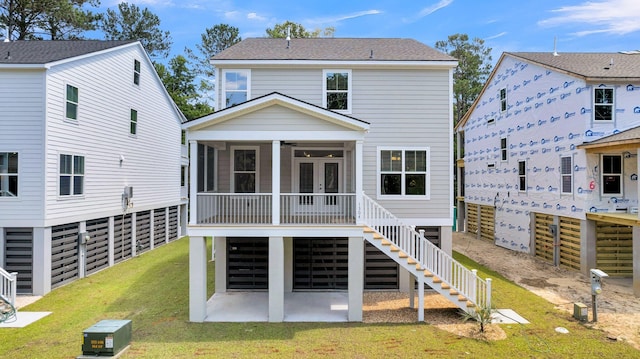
{"type": "Point", "coordinates": [90, 159]}
{"type": "Point", "coordinates": [549, 163]}
{"type": "Point", "coordinates": [326, 171]}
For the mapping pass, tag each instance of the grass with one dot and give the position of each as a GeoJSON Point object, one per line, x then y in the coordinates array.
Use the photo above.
{"type": "Point", "coordinates": [152, 291]}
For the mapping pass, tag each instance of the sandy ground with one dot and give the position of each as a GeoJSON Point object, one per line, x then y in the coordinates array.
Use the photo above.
{"type": "Point", "coordinates": [618, 308]}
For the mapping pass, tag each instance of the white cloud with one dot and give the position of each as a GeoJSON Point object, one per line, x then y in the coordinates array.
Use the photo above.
{"type": "Point", "coordinates": [255, 16]}
{"type": "Point", "coordinates": [231, 15]}
{"type": "Point", "coordinates": [428, 10]}
{"type": "Point", "coordinates": [616, 17]}
{"type": "Point", "coordinates": [496, 36]}
{"type": "Point", "coordinates": [338, 18]}
{"type": "Point", "coordinates": [433, 8]}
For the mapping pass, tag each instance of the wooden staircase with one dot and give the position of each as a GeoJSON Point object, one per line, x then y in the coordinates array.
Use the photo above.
{"type": "Point", "coordinates": [426, 262]}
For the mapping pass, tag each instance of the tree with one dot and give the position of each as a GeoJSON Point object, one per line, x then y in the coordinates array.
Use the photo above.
{"type": "Point", "coordinates": [474, 66]}
{"type": "Point", "coordinates": [51, 19]}
{"type": "Point", "coordinates": [131, 23]}
{"type": "Point", "coordinates": [178, 79]}
{"type": "Point", "coordinates": [293, 29]}
{"type": "Point", "coordinates": [213, 41]}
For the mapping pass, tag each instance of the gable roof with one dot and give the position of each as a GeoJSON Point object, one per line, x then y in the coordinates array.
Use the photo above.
{"type": "Point", "coordinates": [34, 52]}
{"type": "Point", "coordinates": [332, 49]}
{"type": "Point", "coordinates": [591, 66]}
{"type": "Point", "coordinates": [276, 98]}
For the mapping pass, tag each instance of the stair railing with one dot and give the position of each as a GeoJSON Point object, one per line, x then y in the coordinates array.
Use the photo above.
{"type": "Point", "coordinates": [8, 286]}
{"type": "Point", "coordinates": [466, 282]}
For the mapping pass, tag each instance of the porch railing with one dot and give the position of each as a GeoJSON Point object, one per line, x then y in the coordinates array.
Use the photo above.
{"type": "Point", "coordinates": [8, 286]}
{"type": "Point", "coordinates": [295, 208]}
{"type": "Point", "coordinates": [432, 258]}
{"type": "Point", "coordinates": [236, 208]}
{"type": "Point", "coordinates": [317, 208]}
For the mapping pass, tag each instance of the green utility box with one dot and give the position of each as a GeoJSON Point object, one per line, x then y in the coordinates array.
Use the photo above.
{"type": "Point", "coordinates": [107, 337]}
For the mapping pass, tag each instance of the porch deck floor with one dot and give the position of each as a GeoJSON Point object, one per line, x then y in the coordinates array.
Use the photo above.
{"type": "Point", "coordinates": [298, 307]}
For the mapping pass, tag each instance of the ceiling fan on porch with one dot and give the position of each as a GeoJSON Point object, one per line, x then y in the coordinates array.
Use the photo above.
{"type": "Point", "coordinates": [285, 143]}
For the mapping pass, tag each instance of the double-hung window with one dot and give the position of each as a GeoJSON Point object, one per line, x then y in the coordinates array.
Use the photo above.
{"type": "Point", "coordinates": [236, 87]}
{"type": "Point", "coordinates": [566, 173]}
{"type": "Point", "coordinates": [8, 174]}
{"type": "Point", "coordinates": [503, 149]}
{"type": "Point", "coordinates": [603, 104]}
{"type": "Point", "coordinates": [245, 170]}
{"type": "Point", "coordinates": [72, 103]}
{"type": "Point", "coordinates": [133, 123]}
{"type": "Point", "coordinates": [404, 172]}
{"type": "Point", "coordinates": [522, 176]}
{"type": "Point", "coordinates": [136, 72]}
{"type": "Point", "coordinates": [337, 90]}
{"type": "Point", "coordinates": [503, 99]}
{"type": "Point", "coordinates": [612, 175]}
{"type": "Point", "coordinates": [71, 175]}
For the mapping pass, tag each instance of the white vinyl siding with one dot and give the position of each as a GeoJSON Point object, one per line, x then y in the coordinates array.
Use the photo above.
{"type": "Point", "coordinates": [103, 137]}
{"type": "Point", "coordinates": [22, 132]}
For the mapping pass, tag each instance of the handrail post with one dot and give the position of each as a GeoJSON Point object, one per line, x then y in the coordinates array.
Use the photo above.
{"type": "Point", "coordinates": [474, 285]}
{"type": "Point", "coordinates": [488, 293]}
{"type": "Point", "coordinates": [14, 287]}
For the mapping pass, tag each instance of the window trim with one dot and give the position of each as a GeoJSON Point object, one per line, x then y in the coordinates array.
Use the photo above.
{"type": "Point", "coordinates": [67, 102]}
{"type": "Point", "coordinates": [522, 176]}
{"type": "Point", "coordinates": [10, 174]}
{"type": "Point", "coordinates": [233, 167]}
{"type": "Point", "coordinates": [349, 89]}
{"type": "Point", "coordinates": [610, 104]}
{"type": "Point", "coordinates": [224, 91]}
{"type": "Point", "coordinates": [136, 72]}
{"type": "Point", "coordinates": [72, 176]}
{"type": "Point", "coordinates": [403, 173]}
{"type": "Point", "coordinates": [563, 175]}
{"type": "Point", "coordinates": [619, 175]}
{"type": "Point", "coordinates": [503, 100]}
{"type": "Point", "coordinates": [133, 122]}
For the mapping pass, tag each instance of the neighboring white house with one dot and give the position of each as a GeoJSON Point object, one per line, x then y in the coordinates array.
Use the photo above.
{"type": "Point", "coordinates": [550, 159]}
{"type": "Point", "coordinates": [326, 160]}
{"type": "Point", "coordinates": [90, 159]}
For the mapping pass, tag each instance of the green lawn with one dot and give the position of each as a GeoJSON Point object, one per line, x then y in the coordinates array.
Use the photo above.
{"type": "Point", "coordinates": [152, 291]}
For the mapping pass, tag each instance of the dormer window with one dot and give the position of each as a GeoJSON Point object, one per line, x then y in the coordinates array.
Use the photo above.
{"type": "Point", "coordinates": [235, 85]}
{"type": "Point", "coordinates": [337, 90]}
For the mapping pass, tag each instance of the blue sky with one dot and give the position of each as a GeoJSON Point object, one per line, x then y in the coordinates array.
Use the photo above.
{"type": "Point", "coordinates": [578, 25]}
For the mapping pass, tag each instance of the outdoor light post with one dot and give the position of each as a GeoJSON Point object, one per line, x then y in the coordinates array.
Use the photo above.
{"type": "Point", "coordinates": [596, 289]}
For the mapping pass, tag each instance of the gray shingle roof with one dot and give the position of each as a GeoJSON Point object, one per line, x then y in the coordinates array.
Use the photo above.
{"type": "Point", "coordinates": [43, 51]}
{"type": "Point", "coordinates": [588, 65]}
{"type": "Point", "coordinates": [630, 136]}
{"type": "Point", "coordinates": [332, 49]}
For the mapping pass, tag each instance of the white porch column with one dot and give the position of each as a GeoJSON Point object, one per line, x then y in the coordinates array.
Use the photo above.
{"type": "Point", "coordinates": [276, 279]}
{"type": "Point", "coordinates": [275, 182]}
{"type": "Point", "coordinates": [220, 260]}
{"type": "Point", "coordinates": [356, 278]}
{"type": "Point", "coordinates": [193, 182]}
{"type": "Point", "coordinates": [41, 271]}
{"type": "Point", "coordinates": [197, 279]}
{"type": "Point", "coordinates": [446, 239]}
{"type": "Point", "coordinates": [359, 188]}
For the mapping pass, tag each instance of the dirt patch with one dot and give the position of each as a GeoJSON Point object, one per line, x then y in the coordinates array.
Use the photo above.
{"type": "Point", "coordinates": [393, 307]}
{"type": "Point", "coordinates": [618, 308]}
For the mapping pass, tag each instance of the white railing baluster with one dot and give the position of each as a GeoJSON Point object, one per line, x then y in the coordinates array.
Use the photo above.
{"type": "Point", "coordinates": [419, 248]}
{"type": "Point", "coordinates": [8, 286]}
